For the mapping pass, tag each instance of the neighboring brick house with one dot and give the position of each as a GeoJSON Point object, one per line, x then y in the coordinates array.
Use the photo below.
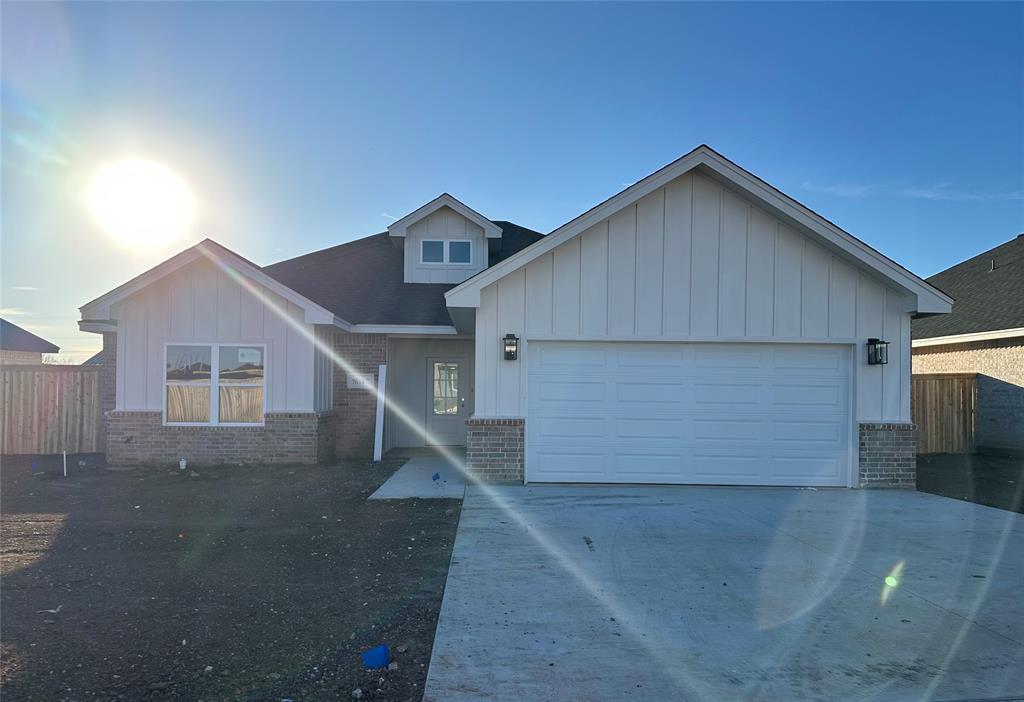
{"type": "Point", "coordinates": [697, 327]}
{"type": "Point", "coordinates": [21, 347]}
{"type": "Point", "coordinates": [983, 335]}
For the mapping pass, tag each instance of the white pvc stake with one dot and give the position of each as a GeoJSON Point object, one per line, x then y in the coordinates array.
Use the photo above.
{"type": "Point", "coordinates": [65, 464]}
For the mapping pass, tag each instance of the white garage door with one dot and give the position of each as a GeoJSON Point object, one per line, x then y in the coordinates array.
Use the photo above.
{"type": "Point", "coordinates": [719, 414]}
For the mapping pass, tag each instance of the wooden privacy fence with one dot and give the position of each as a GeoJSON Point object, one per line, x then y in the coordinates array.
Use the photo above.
{"type": "Point", "coordinates": [49, 409]}
{"type": "Point", "coordinates": [943, 408]}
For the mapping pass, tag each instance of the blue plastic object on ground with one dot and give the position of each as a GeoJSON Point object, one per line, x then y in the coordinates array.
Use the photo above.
{"type": "Point", "coordinates": [377, 657]}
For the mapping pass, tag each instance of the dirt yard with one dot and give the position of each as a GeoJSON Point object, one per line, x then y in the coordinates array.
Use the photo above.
{"type": "Point", "coordinates": [993, 479]}
{"type": "Point", "coordinates": [231, 583]}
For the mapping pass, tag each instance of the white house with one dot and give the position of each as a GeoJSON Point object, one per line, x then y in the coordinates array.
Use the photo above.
{"type": "Point", "coordinates": [697, 327]}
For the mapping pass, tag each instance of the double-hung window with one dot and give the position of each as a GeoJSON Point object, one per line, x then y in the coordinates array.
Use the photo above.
{"type": "Point", "coordinates": [457, 251]}
{"type": "Point", "coordinates": [214, 384]}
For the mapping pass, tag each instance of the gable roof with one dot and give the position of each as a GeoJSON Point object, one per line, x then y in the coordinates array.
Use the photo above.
{"type": "Point", "coordinates": [989, 292]}
{"type": "Point", "coordinates": [399, 227]}
{"type": "Point", "coordinates": [99, 309]}
{"type": "Point", "coordinates": [928, 299]}
{"type": "Point", "coordinates": [362, 281]}
{"type": "Point", "coordinates": [14, 338]}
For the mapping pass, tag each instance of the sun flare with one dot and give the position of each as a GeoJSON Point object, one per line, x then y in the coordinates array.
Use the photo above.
{"type": "Point", "coordinates": [140, 202]}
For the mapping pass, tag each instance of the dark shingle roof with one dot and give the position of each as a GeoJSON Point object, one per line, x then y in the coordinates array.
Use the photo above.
{"type": "Point", "coordinates": [989, 294]}
{"type": "Point", "coordinates": [14, 338]}
{"type": "Point", "coordinates": [95, 360]}
{"type": "Point", "coordinates": [362, 281]}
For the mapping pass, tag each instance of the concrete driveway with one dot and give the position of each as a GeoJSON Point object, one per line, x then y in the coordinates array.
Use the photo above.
{"type": "Point", "coordinates": [614, 593]}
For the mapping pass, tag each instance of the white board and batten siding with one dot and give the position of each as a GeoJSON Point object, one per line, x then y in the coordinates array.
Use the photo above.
{"type": "Point", "coordinates": [694, 261]}
{"type": "Point", "coordinates": [443, 224]}
{"type": "Point", "coordinates": [201, 303]}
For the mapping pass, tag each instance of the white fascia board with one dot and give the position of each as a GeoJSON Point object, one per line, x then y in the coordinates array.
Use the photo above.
{"type": "Point", "coordinates": [416, 329]}
{"type": "Point", "coordinates": [97, 326]}
{"type": "Point", "coordinates": [401, 226]}
{"type": "Point", "coordinates": [968, 338]}
{"type": "Point", "coordinates": [928, 299]}
{"type": "Point", "coordinates": [100, 308]}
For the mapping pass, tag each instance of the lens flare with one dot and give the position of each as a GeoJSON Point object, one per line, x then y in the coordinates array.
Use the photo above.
{"type": "Point", "coordinates": [892, 581]}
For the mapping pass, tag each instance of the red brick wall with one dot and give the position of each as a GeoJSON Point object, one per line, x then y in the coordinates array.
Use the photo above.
{"type": "Point", "coordinates": [140, 438]}
{"type": "Point", "coordinates": [355, 408]}
{"type": "Point", "coordinates": [108, 382]}
{"type": "Point", "coordinates": [888, 455]}
{"type": "Point", "coordinates": [494, 450]}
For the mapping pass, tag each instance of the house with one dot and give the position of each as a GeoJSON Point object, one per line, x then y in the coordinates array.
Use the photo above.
{"type": "Point", "coordinates": [698, 327]}
{"type": "Point", "coordinates": [983, 335]}
{"type": "Point", "coordinates": [22, 347]}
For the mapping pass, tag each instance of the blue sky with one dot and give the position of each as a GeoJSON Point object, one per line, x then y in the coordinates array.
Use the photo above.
{"type": "Point", "coordinates": [299, 126]}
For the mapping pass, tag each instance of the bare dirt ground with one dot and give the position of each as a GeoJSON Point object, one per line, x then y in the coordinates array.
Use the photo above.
{"type": "Point", "coordinates": [261, 583]}
{"type": "Point", "coordinates": [992, 479]}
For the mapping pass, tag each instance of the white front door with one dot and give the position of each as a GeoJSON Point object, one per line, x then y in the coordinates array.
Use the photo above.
{"type": "Point", "coordinates": [447, 400]}
{"type": "Point", "coordinates": [725, 414]}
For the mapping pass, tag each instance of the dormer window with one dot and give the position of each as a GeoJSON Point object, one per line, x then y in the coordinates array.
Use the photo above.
{"type": "Point", "coordinates": [446, 251]}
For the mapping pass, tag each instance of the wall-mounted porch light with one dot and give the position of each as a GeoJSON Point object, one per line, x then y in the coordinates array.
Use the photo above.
{"type": "Point", "coordinates": [878, 352]}
{"type": "Point", "coordinates": [511, 342]}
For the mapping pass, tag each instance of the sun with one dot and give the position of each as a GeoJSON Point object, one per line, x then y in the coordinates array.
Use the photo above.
{"type": "Point", "coordinates": [141, 203]}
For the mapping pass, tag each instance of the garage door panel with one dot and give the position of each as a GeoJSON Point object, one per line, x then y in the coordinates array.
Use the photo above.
{"type": "Point", "coordinates": [576, 357]}
{"type": "Point", "coordinates": [649, 393]}
{"type": "Point", "coordinates": [821, 470]}
{"type": "Point", "coordinates": [820, 359]}
{"type": "Point", "coordinates": [651, 357]}
{"type": "Point", "coordinates": [809, 395]}
{"type": "Point", "coordinates": [561, 427]}
{"type": "Point", "coordinates": [733, 357]}
{"type": "Point", "coordinates": [648, 467]}
{"type": "Point", "coordinates": [754, 414]}
{"type": "Point", "coordinates": [722, 393]}
{"type": "Point", "coordinates": [649, 428]}
{"type": "Point", "coordinates": [808, 431]}
{"type": "Point", "coordinates": [568, 466]}
{"type": "Point", "coordinates": [572, 392]}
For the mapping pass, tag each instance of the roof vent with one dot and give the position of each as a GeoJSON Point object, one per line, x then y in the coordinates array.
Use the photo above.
{"type": "Point", "coordinates": [992, 265]}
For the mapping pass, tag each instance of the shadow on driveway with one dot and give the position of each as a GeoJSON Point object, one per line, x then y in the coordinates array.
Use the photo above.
{"type": "Point", "coordinates": [991, 479]}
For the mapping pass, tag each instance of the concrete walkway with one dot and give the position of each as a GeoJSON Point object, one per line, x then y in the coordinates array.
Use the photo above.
{"type": "Point", "coordinates": [615, 593]}
{"type": "Point", "coordinates": [415, 479]}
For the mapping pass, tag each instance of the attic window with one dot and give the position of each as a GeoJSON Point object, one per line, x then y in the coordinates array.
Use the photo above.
{"type": "Point", "coordinates": [453, 251]}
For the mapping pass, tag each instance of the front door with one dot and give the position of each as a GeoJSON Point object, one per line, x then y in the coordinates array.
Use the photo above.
{"type": "Point", "coordinates": [447, 386]}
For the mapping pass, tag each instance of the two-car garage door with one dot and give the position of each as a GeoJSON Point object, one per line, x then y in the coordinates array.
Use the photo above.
{"type": "Point", "coordinates": [726, 414]}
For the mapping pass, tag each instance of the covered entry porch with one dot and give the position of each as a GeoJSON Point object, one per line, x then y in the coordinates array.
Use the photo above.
{"type": "Point", "coordinates": [429, 391]}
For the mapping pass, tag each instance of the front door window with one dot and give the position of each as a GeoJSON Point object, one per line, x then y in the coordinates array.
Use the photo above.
{"type": "Point", "coordinates": [446, 389]}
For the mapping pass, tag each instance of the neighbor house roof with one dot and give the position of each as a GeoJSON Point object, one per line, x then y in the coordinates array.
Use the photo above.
{"type": "Point", "coordinates": [14, 338]}
{"type": "Point", "coordinates": [362, 281]}
{"type": "Point", "coordinates": [95, 360]}
{"type": "Point", "coordinates": [989, 293]}
{"type": "Point", "coordinates": [927, 299]}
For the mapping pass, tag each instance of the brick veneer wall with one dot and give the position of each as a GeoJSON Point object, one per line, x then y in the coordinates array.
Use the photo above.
{"type": "Point", "coordinates": [888, 455]}
{"type": "Point", "coordinates": [140, 438]}
{"type": "Point", "coordinates": [494, 450]}
{"type": "Point", "coordinates": [999, 363]}
{"type": "Point", "coordinates": [108, 382]}
{"type": "Point", "coordinates": [355, 408]}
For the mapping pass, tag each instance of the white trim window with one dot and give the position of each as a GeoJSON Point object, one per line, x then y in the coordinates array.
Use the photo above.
{"type": "Point", "coordinates": [455, 252]}
{"type": "Point", "coordinates": [193, 371]}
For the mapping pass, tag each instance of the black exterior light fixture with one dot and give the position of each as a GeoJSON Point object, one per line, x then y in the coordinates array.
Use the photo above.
{"type": "Point", "coordinates": [878, 352]}
{"type": "Point", "coordinates": [511, 342]}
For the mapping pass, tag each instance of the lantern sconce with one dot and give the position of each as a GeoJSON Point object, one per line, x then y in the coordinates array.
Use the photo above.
{"type": "Point", "coordinates": [511, 342]}
{"type": "Point", "coordinates": [878, 352]}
